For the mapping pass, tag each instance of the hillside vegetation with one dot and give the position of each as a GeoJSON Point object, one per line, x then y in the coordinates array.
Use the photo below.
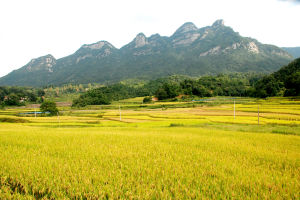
{"type": "Point", "coordinates": [285, 81]}
{"type": "Point", "coordinates": [189, 51]}
{"type": "Point", "coordinates": [171, 87]}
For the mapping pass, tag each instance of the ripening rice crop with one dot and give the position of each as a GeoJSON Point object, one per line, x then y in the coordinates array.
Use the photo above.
{"type": "Point", "coordinates": [181, 153]}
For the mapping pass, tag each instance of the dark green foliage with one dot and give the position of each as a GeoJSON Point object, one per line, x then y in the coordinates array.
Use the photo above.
{"type": "Point", "coordinates": [105, 95]}
{"type": "Point", "coordinates": [152, 86]}
{"type": "Point", "coordinates": [16, 96]}
{"type": "Point", "coordinates": [49, 106]}
{"type": "Point", "coordinates": [93, 97]}
{"type": "Point", "coordinates": [267, 87]}
{"type": "Point", "coordinates": [201, 91]}
{"type": "Point", "coordinates": [285, 72]}
{"type": "Point", "coordinates": [172, 89]}
{"type": "Point", "coordinates": [168, 90]}
{"type": "Point", "coordinates": [161, 94]}
{"type": "Point", "coordinates": [12, 100]}
{"type": "Point", "coordinates": [292, 85]}
{"type": "Point", "coordinates": [222, 85]}
{"type": "Point", "coordinates": [147, 100]}
{"type": "Point", "coordinates": [286, 79]}
{"type": "Point", "coordinates": [40, 92]}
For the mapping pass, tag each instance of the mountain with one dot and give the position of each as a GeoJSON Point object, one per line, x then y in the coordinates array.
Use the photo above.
{"type": "Point", "coordinates": [189, 51]}
{"type": "Point", "coordinates": [294, 51]}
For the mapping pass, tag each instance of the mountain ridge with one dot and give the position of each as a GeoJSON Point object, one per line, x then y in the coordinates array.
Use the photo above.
{"type": "Point", "coordinates": [188, 51]}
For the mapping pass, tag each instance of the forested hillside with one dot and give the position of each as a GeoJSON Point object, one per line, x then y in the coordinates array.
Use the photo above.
{"type": "Point", "coordinates": [285, 81]}
{"type": "Point", "coordinates": [189, 51]}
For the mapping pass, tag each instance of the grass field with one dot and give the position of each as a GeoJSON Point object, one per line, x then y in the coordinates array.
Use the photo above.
{"type": "Point", "coordinates": [166, 150]}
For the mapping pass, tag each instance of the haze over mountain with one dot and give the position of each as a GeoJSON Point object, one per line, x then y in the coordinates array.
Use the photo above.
{"type": "Point", "coordinates": [189, 51]}
{"type": "Point", "coordinates": [294, 51]}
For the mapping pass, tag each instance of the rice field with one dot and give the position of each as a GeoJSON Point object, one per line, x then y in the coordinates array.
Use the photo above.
{"type": "Point", "coordinates": [165, 150]}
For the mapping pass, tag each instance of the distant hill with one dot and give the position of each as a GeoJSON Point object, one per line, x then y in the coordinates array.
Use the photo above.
{"type": "Point", "coordinates": [294, 51]}
{"type": "Point", "coordinates": [189, 51]}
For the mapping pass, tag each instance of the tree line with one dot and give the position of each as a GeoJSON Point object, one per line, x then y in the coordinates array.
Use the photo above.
{"type": "Point", "coordinates": [170, 87]}
{"type": "Point", "coordinates": [17, 96]}
{"type": "Point", "coordinates": [285, 82]}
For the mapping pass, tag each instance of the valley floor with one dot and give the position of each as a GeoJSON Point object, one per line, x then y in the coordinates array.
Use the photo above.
{"type": "Point", "coordinates": [166, 150]}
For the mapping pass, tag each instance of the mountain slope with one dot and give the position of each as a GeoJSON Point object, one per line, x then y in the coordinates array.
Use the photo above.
{"type": "Point", "coordinates": [286, 80]}
{"type": "Point", "coordinates": [189, 51]}
{"type": "Point", "coordinates": [294, 51]}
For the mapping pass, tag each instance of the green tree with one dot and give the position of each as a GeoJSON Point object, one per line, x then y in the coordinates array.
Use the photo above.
{"type": "Point", "coordinates": [41, 93]}
{"type": "Point", "coordinates": [49, 106]}
{"type": "Point", "coordinates": [171, 89]}
{"type": "Point", "coordinates": [161, 94]}
{"type": "Point", "coordinates": [201, 91]}
{"type": "Point", "coordinates": [292, 85]}
{"type": "Point", "coordinates": [147, 100]}
{"type": "Point", "coordinates": [12, 100]}
{"type": "Point", "coordinates": [268, 86]}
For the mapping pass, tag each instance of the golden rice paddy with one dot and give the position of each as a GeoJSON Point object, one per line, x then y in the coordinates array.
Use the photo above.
{"type": "Point", "coordinates": [195, 151]}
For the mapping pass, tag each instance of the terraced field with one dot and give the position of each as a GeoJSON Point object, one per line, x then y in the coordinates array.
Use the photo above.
{"type": "Point", "coordinates": [165, 150]}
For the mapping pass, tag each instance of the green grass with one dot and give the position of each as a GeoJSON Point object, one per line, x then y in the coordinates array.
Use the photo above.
{"type": "Point", "coordinates": [199, 152]}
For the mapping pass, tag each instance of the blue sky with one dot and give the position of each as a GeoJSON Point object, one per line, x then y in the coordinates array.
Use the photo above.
{"type": "Point", "coordinates": [34, 28]}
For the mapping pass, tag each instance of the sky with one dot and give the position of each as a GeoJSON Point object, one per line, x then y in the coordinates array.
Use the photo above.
{"type": "Point", "coordinates": [34, 28]}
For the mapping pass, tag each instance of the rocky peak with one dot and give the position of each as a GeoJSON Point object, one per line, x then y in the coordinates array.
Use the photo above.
{"type": "Point", "coordinates": [44, 62]}
{"type": "Point", "coordinates": [219, 22]}
{"type": "Point", "coordinates": [97, 45]}
{"type": "Point", "coordinates": [47, 59]}
{"type": "Point", "coordinates": [185, 35]}
{"type": "Point", "coordinates": [154, 36]}
{"type": "Point", "coordinates": [140, 40]}
{"type": "Point", "coordinates": [185, 28]}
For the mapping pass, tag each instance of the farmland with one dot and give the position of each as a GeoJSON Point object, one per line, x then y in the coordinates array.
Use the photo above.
{"type": "Point", "coordinates": [164, 150]}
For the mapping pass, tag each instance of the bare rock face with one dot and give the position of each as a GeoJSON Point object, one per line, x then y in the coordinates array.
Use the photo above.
{"type": "Point", "coordinates": [83, 57]}
{"type": "Point", "coordinates": [280, 53]}
{"type": "Point", "coordinates": [99, 50]}
{"type": "Point", "coordinates": [252, 47]}
{"type": "Point", "coordinates": [97, 45]}
{"type": "Point", "coordinates": [185, 35]}
{"type": "Point", "coordinates": [140, 40]}
{"type": "Point", "coordinates": [234, 46]}
{"type": "Point", "coordinates": [212, 51]}
{"type": "Point", "coordinates": [154, 40]}
{"type": "Point", "coordinates": [187, 27]}
{"type": "Point", "coordinates": [187, 39]}
{"type": "Point", "coordinates": [41, 63]}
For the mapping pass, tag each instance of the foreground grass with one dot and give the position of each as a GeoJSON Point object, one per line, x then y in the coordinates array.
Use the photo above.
{"type": "Point", "coordinates": [182, 153]}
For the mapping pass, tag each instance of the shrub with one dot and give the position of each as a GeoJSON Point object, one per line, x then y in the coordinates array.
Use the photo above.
{"type": "Point", "coordinates": [49, 106]}
{"type": "Point", "coordinates": [147, 100]}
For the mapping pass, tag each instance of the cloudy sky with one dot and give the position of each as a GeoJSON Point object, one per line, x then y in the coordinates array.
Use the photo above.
{"type": "Point", "coordinates": [33, 28]}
